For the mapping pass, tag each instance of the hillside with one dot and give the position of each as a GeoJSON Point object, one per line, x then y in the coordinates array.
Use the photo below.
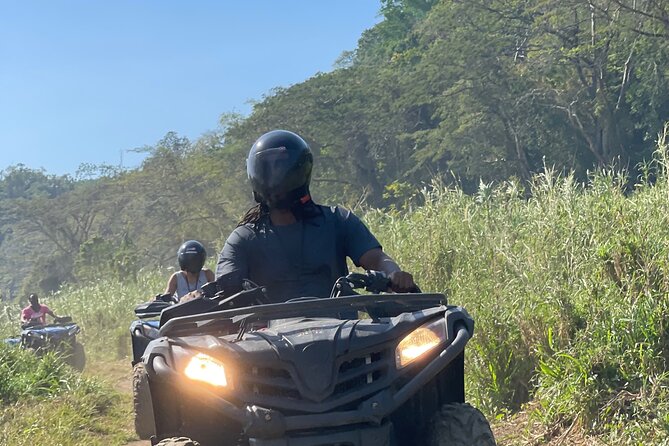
{"type": "Point", "coordinates": [457, 92]}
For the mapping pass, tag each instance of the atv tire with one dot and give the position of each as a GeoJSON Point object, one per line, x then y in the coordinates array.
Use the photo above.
{"type": "Point", "coordinates": [77, 357]}
{"type": "Point", "coordinates": [459, 424]}
{"type": "Point", "coordinates": [178, 441]}
{"type": "Point", "coordinates": [142, 405]}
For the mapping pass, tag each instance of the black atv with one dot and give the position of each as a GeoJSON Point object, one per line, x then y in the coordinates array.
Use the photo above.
{"type": "Point", "coordinates": [352, 370]}
{"type": "Point", "coordinates": [143, 331]}
{"type": "Point", "coordinates": [60, 337]}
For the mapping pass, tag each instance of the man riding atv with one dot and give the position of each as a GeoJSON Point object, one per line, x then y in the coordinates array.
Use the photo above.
{"type": "Point", "coordinates": [265, 358]}
{"type": "Point", "coordinates": [35, 313]}
{"type": "Point", "coordinates": [40, 337]}
{"type": "Point", "coordinates": [289, 244]}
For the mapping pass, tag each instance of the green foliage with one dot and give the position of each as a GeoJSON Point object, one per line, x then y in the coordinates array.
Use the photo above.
{"type": "Point", "coordinates": [43, 401]}
{"type": "Point", "coordinates": [120, 262]}
{"type": "Point", "coordinates": [23, 375]}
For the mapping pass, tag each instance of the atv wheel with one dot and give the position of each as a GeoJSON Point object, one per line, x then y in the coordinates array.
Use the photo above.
{"type": "Point", "coordinates": [77, 358]}
{"type": "Point", "coordinates": [141, 399]}
{"type": "Point", "coordinates": [178, 441]}
{"type": "Point", "coordinates": [460, 424]}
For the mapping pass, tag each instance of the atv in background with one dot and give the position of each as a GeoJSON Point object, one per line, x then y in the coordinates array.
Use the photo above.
{"type": "Point", "coordinates": [143, 331]}
{"type": "Point", "coordinates": [59, 337]}
{"type": "Point", "coordinates": [352, 370]}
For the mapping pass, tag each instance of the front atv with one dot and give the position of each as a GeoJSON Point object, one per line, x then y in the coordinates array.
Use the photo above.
{"type": "Point", "coordinates": [310, 372]}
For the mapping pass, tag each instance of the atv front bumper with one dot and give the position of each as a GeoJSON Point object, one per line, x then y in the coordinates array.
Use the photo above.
{"type": "Point", "coordinates": [367, 436]}
{"type": "Point", "coordinates": [365, 425]}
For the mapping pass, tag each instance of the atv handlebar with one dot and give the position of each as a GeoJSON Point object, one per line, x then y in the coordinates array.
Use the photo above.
{"type": "Point", "coordinates": [376, 282]}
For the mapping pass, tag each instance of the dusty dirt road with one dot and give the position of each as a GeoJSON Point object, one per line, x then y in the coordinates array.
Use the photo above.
{"type": "Point", "coordinates": [117, 373]}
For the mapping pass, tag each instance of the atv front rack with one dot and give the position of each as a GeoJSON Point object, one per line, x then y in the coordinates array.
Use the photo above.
{"type": "Point", "coordinates": [375, 305]}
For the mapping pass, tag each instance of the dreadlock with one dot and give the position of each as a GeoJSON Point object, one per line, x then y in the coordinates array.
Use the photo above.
{"type": "Point", "coordinates": [255, 214]}
{"type": "Point", "coordinates": [302, 211]}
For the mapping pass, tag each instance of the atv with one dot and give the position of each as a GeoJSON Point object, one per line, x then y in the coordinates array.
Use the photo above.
{"type": "Point", "coordinates": [143, 331]}
{"type": "Point", "coordinates": [58, 337]}
{"type": "Point", "coordinates": [353, 370]}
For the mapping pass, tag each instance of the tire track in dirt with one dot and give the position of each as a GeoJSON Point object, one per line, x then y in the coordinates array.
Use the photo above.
{"type": "Point", "coordinates": [119, 375]}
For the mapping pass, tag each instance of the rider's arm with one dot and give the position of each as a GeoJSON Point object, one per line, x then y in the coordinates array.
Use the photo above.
{"type": "Point", "coordinates": [171, 287]}
{"type": "Point", "coordinates": [208, 274]}
{"type": "Point", "coordinates": [233, 262]}
{"type": "Point", "coordinates": [377, 260]}
{"type": "Point", "coordinates": [366, 251]}
{"type": "Point", "coordinates": [48, 311]}
{"type": "Point", "coordinates": [25, 316]}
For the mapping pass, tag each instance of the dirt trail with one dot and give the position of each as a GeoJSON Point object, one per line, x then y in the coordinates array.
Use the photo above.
{"type": "Point", "coordinates": [518, 430]}
{"type": "Point", "coordinates": [118, 374]}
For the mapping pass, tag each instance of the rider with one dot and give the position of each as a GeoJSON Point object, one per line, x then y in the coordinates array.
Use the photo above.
{"type": "Point", "coordinates": [35, 312]}
{"type": "Point", "coordinates": [191, 256]}
{"type": "Point", "coordinates": [289, 244]}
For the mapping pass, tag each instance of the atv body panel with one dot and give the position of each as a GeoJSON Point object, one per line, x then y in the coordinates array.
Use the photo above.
{"type": "Point", "coordinates": [145, 329]}
{"type": "Point", "coordinates": [141, 333]}
{"type": "Point", "coordinates": [300, 374]}
{"type": "Point", "coordinates": [49, 337]}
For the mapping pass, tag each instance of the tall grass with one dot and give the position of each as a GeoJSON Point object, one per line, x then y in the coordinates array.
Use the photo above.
{"type": "Point", "coordinates": [569, 289]}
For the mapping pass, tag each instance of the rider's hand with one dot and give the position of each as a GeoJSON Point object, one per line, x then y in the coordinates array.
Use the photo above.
{"type": "Point", "coordinates": [401, 282]}
{"type": "Point", "coordinates": [191, 296]}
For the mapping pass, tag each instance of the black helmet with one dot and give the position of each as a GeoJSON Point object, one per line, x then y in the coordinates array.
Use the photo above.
{"type": "Point", "coordinates": [279, 167]}
{"type": "Point", "coordinates": [191, 256]}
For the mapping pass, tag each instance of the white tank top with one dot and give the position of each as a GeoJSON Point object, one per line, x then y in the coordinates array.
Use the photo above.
{"type": "Point", "coordinates": [183, 287]}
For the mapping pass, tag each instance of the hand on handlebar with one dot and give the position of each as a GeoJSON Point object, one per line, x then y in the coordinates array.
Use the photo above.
{"type": "Point", "coordinates": [402, 282]}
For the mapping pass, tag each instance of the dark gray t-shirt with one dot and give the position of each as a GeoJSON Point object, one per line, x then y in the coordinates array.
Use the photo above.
{"type": "Point", "coordinates": [301, 259]}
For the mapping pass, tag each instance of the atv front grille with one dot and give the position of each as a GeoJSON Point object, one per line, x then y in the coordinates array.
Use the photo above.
{"type": "Point", "coordinates": [277, 382]}
{"type": "Point", "coordinates": [358, 372]}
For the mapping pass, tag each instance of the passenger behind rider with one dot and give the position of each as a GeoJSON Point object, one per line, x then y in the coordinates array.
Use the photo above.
{"type": "Point", "coordinates": [191, 257]}
{"type": "Point", "coordinates": [289, 244]}
{"type": "Point", "coordinates": [35, 313]}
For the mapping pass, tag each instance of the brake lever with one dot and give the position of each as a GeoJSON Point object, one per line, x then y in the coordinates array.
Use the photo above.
{"type": "Point", "coordinates": [377, 282]}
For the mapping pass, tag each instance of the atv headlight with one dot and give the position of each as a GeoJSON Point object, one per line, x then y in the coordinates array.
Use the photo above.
{"type": "Point", "coordinates": [420, 341]}
{"type": "Point", "coordinates": [206, 369]}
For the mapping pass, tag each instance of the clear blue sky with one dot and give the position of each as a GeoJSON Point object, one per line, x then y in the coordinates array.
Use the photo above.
{"type": "Point", "coordinates": [82, 80]}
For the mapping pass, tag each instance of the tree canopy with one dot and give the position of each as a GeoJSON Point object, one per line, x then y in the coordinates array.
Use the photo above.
{"type": "Point", "coordinates": [455, 91]}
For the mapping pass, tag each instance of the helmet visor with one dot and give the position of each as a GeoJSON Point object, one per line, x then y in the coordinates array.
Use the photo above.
{"type": "Point", "coordinates": [276, 171]}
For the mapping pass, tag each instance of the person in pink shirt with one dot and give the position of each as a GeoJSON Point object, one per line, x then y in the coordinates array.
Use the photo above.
{"type": "Point", "coordinates": [35, 313]}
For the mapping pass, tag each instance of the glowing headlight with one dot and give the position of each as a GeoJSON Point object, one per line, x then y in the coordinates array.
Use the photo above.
{"type": "Point", "coordinates": [206, 369]}
{"type": "Point", "coordinates": [420, 341]}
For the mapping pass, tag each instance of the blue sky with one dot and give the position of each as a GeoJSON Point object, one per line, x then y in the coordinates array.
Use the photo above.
{"type": "Point", "coordinates": [86, 81]}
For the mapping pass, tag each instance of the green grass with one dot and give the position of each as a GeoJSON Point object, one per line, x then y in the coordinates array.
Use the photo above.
{"type": "Point", "coordinates": [43, 401]}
